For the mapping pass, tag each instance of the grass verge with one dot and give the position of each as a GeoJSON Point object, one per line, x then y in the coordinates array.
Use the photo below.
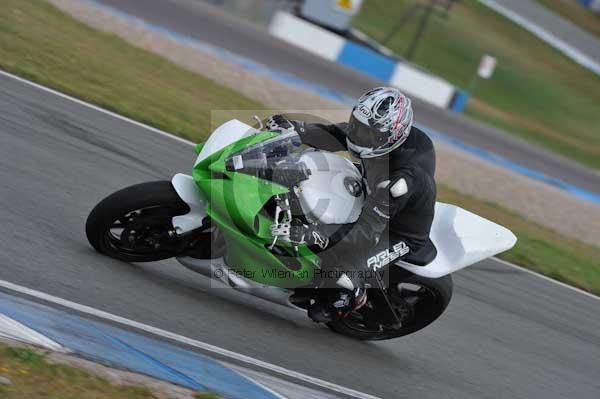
{"type": "Point", "coordinates": [580, 16]}
{"type": "Point", "coordinates": [32, 377]}
{"type": "Point", "coordinates": [536, 92]}
{"type": "Point", "coordinates": [40, 43]}
{"type": "Point", "coordinates": [36, 41]}
{"type": "Point", "coordinates": [538, 248]}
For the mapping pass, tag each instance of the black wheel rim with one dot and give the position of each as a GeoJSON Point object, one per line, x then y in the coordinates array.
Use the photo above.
{"type": "Point", "coordinates": [142, 232]}
{"type": "Point", "coordinates": [415, 305]}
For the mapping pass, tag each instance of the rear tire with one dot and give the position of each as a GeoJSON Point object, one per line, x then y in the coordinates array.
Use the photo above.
{"type": "Point", "coordinates": [146, 210]}
{"type": "Point", "coordinates": [439, 295]}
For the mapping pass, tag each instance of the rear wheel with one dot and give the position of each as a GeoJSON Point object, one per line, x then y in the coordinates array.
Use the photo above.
{"type": "Point", "coordinates": [417, 302]}
{"type": "Point", "coordinates": [134, 224]}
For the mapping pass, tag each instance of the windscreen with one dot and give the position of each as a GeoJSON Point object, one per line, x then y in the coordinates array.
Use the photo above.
{"type": "Point", "coordinates": [276, 159]}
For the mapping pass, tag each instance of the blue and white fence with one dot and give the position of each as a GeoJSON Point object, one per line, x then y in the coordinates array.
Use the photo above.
{"type": "Point", "coordinates": [593, 5]}
{"type": "Point", "coordinates": [408, 78]}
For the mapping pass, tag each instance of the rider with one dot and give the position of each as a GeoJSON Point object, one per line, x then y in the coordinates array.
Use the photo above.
{"type": "Point", "coordinates": [398, 165]}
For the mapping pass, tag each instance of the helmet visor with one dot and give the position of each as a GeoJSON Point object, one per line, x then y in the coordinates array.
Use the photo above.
{"type": "Point", "coordinates": [365, 136]}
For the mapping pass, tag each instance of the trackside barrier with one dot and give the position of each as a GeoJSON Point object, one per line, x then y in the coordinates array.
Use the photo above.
{"type": "Point", "coordinates": [408, 78]}
{"type": "Point", "coordinates": [593, 5]}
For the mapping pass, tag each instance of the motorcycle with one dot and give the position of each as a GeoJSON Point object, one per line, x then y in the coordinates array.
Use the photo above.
{"type": "Point", "coordinates": [231, 221]}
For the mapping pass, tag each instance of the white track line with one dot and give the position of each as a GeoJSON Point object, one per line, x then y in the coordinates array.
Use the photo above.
{"type": "Point", "coordinates": [233, 356]}
{"type": "Point", "coordinates": [94, 107]}
{"type": "Point", "coordinates": [171, 136]}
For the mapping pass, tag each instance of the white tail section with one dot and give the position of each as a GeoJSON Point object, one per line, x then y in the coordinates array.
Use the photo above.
{"type": "Point", "coordinates": [462, 239]}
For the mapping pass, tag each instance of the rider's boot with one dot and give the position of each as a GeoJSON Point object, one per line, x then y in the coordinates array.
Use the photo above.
{"type": "Point", "coordinates": [349, 297]}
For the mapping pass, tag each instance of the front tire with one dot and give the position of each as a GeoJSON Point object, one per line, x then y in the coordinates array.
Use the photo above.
{"type": "Point", "coordinates": [134, 224]}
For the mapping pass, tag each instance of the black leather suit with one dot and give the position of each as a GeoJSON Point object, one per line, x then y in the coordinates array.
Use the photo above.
{"type": "Point", "coordinates": [396, 211]}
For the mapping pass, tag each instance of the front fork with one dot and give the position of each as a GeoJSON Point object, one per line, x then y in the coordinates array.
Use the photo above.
{"type": "Point", "coordinates": [192, 227]}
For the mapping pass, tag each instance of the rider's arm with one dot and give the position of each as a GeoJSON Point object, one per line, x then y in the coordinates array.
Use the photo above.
{"type": "Point", "coordinates": [380, 206]}
{"type": "Point", "coordinates": [324, 137]}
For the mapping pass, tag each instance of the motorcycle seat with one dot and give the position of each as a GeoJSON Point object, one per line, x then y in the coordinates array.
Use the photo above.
{"type": "Point", "coordinates": [423, 256]}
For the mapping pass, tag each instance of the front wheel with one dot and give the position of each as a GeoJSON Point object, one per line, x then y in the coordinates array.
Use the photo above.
{"type": "Point", "coordinates": [134, 224]}
{"type": "Point", "coordinates": [417, 301]}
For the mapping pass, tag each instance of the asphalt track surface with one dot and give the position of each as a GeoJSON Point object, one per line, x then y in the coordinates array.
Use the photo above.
{"type": "Point", "coordinates": [507, 333]}
{"type": "Point", "coordinates": [203, 22]}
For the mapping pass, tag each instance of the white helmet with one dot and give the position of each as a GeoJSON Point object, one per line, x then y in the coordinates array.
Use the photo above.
{"type": "Point", "coordinates": [380, 122]}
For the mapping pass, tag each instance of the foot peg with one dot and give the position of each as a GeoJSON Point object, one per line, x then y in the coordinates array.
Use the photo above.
{"type": "Point", "coordinates": [320, 312]}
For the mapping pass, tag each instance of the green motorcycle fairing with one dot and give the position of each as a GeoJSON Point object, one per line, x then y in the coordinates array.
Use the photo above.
{"type": "Point", "coordinates": [235, 203]}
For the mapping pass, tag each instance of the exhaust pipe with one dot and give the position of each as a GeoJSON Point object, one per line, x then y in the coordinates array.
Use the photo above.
{"type": "Point", "coordinates": [216, 269]}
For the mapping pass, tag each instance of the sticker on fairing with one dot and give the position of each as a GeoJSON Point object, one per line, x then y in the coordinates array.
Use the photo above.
{"type": "Point", "coordinates": [386, 256]}
{"type": "Point", "coordinates": [238, 162]}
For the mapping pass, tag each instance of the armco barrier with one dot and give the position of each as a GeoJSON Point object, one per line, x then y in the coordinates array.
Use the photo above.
{"type": "Point", "coordinates": [410, 79]}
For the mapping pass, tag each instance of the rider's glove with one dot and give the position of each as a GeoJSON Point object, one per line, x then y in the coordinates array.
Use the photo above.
{"type": "Point", "coordinates": [279, 123]}
{"type": "Point", "coordinates": [309, 235]}
{"type": "Point", "coordinates": [379, 200]}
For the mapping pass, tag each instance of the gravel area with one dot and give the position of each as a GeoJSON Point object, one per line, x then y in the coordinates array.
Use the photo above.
{"type": "Point", "coordinates": [538, 202]}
